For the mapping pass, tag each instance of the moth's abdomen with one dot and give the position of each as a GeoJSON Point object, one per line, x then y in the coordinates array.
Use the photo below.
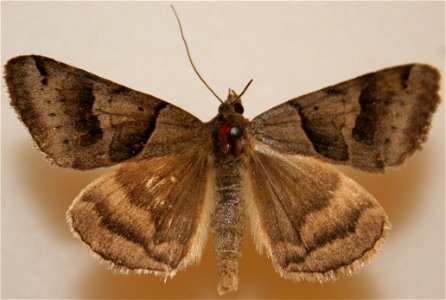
{"type": "Point", "coordinates": [229, 221]}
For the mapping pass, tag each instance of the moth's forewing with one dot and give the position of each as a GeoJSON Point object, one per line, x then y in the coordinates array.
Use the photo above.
{"type": "Point", "coordinates": [83, 121]}
{"type": "Point", "coordinates": [150, 216]}
{"type": "Point", "coordinates": [370, 122]}
{"type": "Point", "coordinates": [311, 219]}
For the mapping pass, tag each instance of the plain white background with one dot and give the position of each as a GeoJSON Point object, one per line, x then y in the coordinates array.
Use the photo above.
{"type": "Point", "coordinates": [289, 49]}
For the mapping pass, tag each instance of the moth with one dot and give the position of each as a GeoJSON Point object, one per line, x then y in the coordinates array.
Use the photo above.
{"type": "Point", "coordinates": [178, 177]}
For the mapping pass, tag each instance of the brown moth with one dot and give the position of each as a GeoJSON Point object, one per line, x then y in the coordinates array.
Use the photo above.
{"type": "Point", "coordinates": [179, 176]}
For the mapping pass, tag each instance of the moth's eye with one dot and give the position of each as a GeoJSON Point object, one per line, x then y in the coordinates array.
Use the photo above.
{"type": "Point", "coordinates": [228, 132]}
{"type": "Point", "coordinates": [238, 108]}
{"type": "Point", "coordinates": [235, 132]}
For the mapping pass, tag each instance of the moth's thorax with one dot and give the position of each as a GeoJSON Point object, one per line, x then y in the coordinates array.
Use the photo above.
{"type": "Point", "coordinates": [229, 128]}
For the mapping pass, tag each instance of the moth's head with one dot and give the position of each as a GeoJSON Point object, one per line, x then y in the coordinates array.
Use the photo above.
{"type": "Point", "coordinates": [230, 126]}
{"type": "Point", "coordinates": [232, 105]}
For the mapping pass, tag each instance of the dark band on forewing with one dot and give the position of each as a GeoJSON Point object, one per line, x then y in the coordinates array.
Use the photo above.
{"type": "Point", "coordinates": [327, 139]}
{"type": "Point", "coordinates": [131, 139]}
{"type": "Point", "coordinates": [78, 105]}
{"type": "Point", "coordinates": [375, 96]}
{"type": "Point", "coordinates": [41, 68]}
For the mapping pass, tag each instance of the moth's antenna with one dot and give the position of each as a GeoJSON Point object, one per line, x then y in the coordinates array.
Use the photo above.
{"type": "Point", "coordinates": [190, 57]}
{"type": "Point", "coordinates": [244, 90]}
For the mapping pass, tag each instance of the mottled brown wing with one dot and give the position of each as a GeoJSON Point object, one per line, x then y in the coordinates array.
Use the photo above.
{"type": "Point", "coordinates": [312, 220]}
{"type": "Point", "coordinates": [370, 122]}
{"type": "Point", "coordinates": [82, 121]}
{"type": "Point", "coordinates": [150, 216]}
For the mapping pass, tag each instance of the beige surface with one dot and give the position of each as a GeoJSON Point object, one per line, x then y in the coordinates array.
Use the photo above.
{"type": "Point", "coordinates": [288, 49]}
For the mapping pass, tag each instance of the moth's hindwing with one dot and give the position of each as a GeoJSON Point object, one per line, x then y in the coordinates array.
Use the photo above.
{"type": "Point", "coordinates": [83, 121]}
{"type": "Point", "coordinates": [150, 216]}
{"type": "Point", "coordinates": [312, 220]}
{"type": "Point", "coordinates": [370, 122]}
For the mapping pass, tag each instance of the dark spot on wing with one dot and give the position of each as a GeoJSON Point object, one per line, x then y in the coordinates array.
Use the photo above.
{"type": "Point", "coordinates": [333, 91]}
{"type": "Point", "coordinates": [120, 89]}
{"type": "Point", "coordinates": [405, 77]}
{"type": "Point", "coordinates": [86, 124]}
{"type": "Point", "coordinates": [41, 68]}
